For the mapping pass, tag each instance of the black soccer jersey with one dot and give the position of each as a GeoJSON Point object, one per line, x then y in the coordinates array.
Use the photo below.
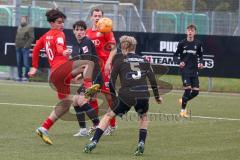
{"type": "Point", "coordinates": [191, 53]}
{"type": "Point", "coordinates": [133, 71]}
{"type": "Point", "coordinates": [85, 50]}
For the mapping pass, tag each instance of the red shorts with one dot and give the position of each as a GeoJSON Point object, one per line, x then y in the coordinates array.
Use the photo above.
{"type": "Point", "coordinates": [60, 79]}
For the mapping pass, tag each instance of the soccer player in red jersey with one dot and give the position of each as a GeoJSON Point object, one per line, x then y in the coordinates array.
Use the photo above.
{"type": "Point", "coordinates": [62, 70]}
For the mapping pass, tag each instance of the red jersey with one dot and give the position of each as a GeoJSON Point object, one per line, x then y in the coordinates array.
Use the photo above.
{"type": "Point", "coordinates": [101, 42]}
{"type": "Point", "coordinates": [54, 43]}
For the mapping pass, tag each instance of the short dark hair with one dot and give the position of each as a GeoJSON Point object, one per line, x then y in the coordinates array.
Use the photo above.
{"type": "Point", "coordinates": [96, 10]}
{"type": "Point", "coordinates": [54, 14]}
{"type": "Point", "coordinates": [192, 26]}
{"type": "Point", "coordinates": [81, 24]}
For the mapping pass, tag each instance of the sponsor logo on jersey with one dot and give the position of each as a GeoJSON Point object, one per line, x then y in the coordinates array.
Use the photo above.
{"type": "Point", "coordinates": [60, 40]}
{"type": "Point", "coordinates": [190, 52]}
{"type": "Point", "coordinates": [85, 49]}
{"type": "Point", "coordinates": [96, 42]}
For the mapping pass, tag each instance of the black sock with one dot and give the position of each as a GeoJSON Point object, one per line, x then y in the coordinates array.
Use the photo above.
{"type": "Point", "coordinates": [80, 116]}
{"type": "Point", "coordinates": [91, 112]}
{"type": "Point", "coordinates": [185, 98]}
{"type": "Point", "coordinates": [97, 135]}
{"type": "Point", "coordinates": [142, 135]}
{"type": "Point", "coordinates": [193, 94]}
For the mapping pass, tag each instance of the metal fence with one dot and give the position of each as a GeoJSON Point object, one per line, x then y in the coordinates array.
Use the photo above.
{"type": "Point", "coordinates": [126, 16]}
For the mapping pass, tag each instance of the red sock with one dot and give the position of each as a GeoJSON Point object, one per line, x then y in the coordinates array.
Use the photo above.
{"type": "Point", "coordinates": [47, 123]}
{"type": "Point", "coordinates": [94, 104]}
{"type": "Point", "coordinates": [113, 122]}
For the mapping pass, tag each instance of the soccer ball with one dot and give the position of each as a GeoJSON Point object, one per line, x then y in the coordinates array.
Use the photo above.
{"type": "Point", "coordinates": [105, 25]}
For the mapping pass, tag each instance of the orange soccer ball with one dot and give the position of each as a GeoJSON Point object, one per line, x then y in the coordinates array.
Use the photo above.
{"type": "Point", "coordinates": [105, 25]}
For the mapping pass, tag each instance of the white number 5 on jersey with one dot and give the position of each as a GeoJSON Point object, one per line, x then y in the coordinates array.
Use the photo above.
{"type": "Point", "coordinates": [135, 67]}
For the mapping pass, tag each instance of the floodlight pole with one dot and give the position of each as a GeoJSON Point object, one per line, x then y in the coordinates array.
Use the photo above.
{"type": "Point", "coordinates": [193, 10]}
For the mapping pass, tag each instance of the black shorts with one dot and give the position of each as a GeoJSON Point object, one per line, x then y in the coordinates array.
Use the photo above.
{"type": "Point", "coordinates": [190, 80]}
{"type": "Point", "coordinates": [141, 106]}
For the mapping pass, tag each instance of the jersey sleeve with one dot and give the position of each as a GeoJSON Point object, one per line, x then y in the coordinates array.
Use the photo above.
{"type": "Point", "coordinates": [60, 43]}
{"type": "Point", "coordinates": [117, 60]}
{"type": "Point", "coordinates": [109, 37]}
{"type": "Point", "coordinates": [200, 53]}
{"type": "Point", "coordinates": [153, 82]}
{"type": "Point", "coordinates": [178, 52]}
{"type": "Point", "coordinates": [36, 50]}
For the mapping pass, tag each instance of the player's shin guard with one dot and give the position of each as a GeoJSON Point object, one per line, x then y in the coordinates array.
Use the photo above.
{"type": "Point", "coordinates": [80, 113]}
{"type": "Point", "coordinates": [193, 94]}
{"type": "Point", "coordinates": [142, 135]}
{"type": "Point", "coordinates": [97, 135]}
{"type": "Point", "coordinates": [185, 98]}
{"type": "Point", "coordinates": [92, 114]}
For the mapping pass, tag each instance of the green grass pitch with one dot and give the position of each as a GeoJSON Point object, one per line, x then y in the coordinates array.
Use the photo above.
{"type": "Point", "coordinates": [212, 133]}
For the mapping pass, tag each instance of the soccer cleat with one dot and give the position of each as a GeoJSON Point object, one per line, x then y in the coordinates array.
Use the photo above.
{"type": "Point", "coordinates": [89, 147]}
{"type": "Point", "coordinates": [44, 135]}
{"type": "Point", "coordinates": [140, 149]}
{"type": "Point", "coordinates": [109, 131]}
{"type": "Point", "coordinates": [83, 132]}
{"type": "Point", "coordinates": [92, 129]}
{"type": "Point", "coordinates": [92, 90]}
{"type": "Point", "coordinates": [184, 114]}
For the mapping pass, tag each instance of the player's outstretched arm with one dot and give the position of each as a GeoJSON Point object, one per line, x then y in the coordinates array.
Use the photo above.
{"type": "Point", "coordinates": [110, 58]}
{"type": "Point", "coordinates": [153, 82]}
{"type": "Point", "coordinates": [35, 57]}
{"type": "Point", "coordinates": [200, 56]}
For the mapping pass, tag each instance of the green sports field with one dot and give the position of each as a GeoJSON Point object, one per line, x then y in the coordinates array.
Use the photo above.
{"type": "Point", "coordinates": [212, 132]}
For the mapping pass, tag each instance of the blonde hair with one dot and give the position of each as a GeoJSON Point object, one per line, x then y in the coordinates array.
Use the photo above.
{"type": "Point", "coordinates": [128, 42]}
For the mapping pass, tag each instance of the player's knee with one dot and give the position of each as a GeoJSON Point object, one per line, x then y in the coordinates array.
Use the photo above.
{"type": "Point", "coordinates": [81, 101]}
{"type": "Point", "coordinates": [75, 98]}
{"type": "Point", "coordinates": [195, 93]}
{"type": "Point", "coordinates": [143, 116]}
{"type": "Point", "coordinates": [110, 114]}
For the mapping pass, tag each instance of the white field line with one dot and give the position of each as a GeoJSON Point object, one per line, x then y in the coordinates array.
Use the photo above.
{"type": "Point", "coordinates": [167, 114]}
{"type": "Point", "coordinates": [175, 92]}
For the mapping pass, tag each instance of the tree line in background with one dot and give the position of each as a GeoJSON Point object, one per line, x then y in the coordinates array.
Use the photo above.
{"type": "Point", "coordinates": [180, 5]}
{"type": "Point", "coordinates": [173, 5]}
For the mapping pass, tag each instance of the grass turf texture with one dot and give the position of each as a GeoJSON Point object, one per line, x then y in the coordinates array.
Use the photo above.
{"type": "Point", "coordinates": [168, 139]}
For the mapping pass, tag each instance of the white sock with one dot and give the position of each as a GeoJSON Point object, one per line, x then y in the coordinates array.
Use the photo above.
{"type": "Point", "coordinates": [183, 110]}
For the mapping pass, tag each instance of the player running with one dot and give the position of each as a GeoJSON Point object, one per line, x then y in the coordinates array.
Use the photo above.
{"type": "Point", "coordinates": [62, 70]}
{"type": "Point", "coordinates": [105, 44]}
{"type": "Point", "coordinates": [133, 71]}
{"type": "Point", "coordinates": [191, 59]}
